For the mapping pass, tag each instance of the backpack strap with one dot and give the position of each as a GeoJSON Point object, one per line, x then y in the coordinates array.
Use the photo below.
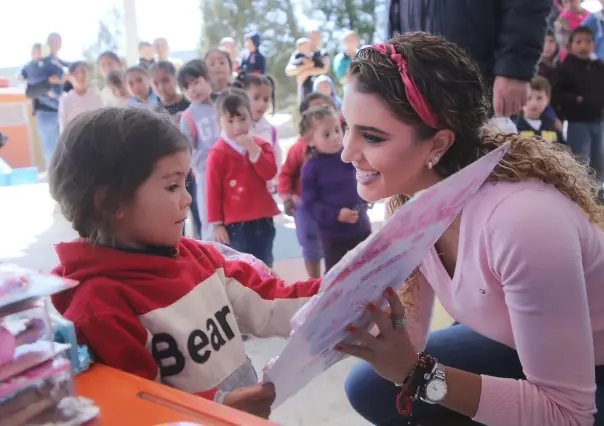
{"type": "Point", "coordinates": [192, 127]}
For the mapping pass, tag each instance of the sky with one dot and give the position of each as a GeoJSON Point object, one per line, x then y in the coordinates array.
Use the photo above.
{"type": "Point", "coordinates": [77, 22]}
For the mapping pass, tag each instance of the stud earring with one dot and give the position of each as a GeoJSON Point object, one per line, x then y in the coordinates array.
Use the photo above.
{"type": "Point", "coordinates": [430, 165]}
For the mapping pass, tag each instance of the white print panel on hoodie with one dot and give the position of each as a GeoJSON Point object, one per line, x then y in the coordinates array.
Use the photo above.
{"type": "Point", "coordinates": [196, 341]}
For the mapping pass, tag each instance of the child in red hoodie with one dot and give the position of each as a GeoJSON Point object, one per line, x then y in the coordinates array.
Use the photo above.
{"type": "Point", "coordinates": [151, 302]}
{"type": "Point", "coordinates": [290, 190]}
{"type": "Point", "coordinates": [240, 207]}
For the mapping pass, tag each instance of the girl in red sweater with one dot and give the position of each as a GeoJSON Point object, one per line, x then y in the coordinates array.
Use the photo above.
{"type": "Point", "coordinates": [290, 190]}
{"type": "Point", "coordinates": [151, 302]}
{"type": "Point", "coordinates": [240, 207]}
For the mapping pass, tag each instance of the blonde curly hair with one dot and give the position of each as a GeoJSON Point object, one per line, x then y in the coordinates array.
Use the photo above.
{"type": "Point", "coordinates": [452, 85]}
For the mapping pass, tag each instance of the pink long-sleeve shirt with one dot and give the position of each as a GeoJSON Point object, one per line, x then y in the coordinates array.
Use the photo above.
{"type": "Point", "coordinates": [530, 275]}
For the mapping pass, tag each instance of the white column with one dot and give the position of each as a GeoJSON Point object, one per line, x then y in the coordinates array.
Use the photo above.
{"type": "Point", "coordinates": [131, 32]}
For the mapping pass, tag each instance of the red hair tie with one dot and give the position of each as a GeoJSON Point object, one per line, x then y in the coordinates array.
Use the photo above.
{"type": "Point", "coordinates": [416, 99]}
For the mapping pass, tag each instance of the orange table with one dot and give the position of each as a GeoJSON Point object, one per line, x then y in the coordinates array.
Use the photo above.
{"type": "Point", "coordinates": [127, 400]}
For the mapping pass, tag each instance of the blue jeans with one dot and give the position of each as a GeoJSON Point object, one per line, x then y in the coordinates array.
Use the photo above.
{"type": "Point", "coordinates": [48, 129]}
{"type": "Point", "coordinates": [192, 190]}
{"type": "Point", "coordinates": [255, 237]}
{"type": "Point", "coordinates": [587, 141]}
{"type": "Point", "coordinates": [459, 347]}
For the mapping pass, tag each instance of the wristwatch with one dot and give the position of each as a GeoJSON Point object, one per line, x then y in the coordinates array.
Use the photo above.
{"type": "Point", "coordinates": [435, 389]}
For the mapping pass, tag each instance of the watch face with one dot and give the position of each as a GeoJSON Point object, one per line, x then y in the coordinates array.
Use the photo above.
{"type": "Point", "coordinates": [436, 390]}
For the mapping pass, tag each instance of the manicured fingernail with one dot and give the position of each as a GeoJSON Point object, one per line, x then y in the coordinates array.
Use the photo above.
{"type": "Point", "coordinates": [390, 292]}
{"type": "Point", "coordinates": [338, 347]}
{"type": "Point", "coordinates": [371, 307]}
{"type": "Point", "coordinates": [351, 328]}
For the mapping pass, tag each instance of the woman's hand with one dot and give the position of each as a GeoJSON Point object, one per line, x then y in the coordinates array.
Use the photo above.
{"type": "Point", "coordinates": [256, 399]}
{"type": "Point", "coordinates": [390, 353]}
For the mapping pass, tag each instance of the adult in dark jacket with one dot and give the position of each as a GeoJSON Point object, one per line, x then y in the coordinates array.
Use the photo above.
{"type": "Point", "coordinates": [45, 93]}
{"type": "Point", "coordinates": [505, 38]}
{"type": "Point", "coordinates": [253, 61]}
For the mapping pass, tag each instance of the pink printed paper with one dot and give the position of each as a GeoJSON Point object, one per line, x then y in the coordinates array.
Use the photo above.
{"type": "Point", "coordinates": [385, 259]}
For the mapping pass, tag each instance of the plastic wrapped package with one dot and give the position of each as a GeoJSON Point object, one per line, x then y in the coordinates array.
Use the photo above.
{"type": "Point", "coordinates": [43, 395]}
{"type": "Point", "coordinates": [36, 376]}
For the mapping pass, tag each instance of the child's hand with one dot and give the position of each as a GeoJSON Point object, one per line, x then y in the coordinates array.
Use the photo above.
{"type": "Point", "coordinates": [558, 125]}
{"type": "Point", "coordinates": [256, 399]}
{"type": "Point", "coordinates": [54, 79]}
{"type": "Point", "coordinates": [290, 207]}
{"type": "Point", "coordinates": [244, 141]}
{"type": "Point", "coordinates": [247, 142]}
{"type": "Point", "coordinates": [221, 235]}
{"type": "Point", "coordinates": [348, 216]}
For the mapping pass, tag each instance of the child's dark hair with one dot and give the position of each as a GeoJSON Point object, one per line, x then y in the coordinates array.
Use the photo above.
{"type": "Point", "coordinates": [580, 30]}
{"type": "Point", "coordinates": [36, 46]}
{"type": "Point", "coordinates": [192, 70]}
{"type": "Point", "coordinates": [115, 78]}
{"type": "Point", "coordinates": [230, 100]}
{"type": "Point", "coordinates": [245, 81]}
{"type": "Point", "coordinates": [318, 112]}
{"type": "Point", "coordinates": [111, 55]}
{"type": "Point", "coordinates": [223, 53]}
{"type": "Point", "coordinates": [77, 64]}
{"type": "Point", "coordinates": [166, 66]}
{"type": "Point", "coordinates": [308, 99]}
{"type": "Point", "coordinates": [102, 158]}
{"type": "Point", "coordinates": [137, 68]}
{"type": "Point", "coordinates": [541, 84]}
{"type": "Point", "coordinates": [144, 44]}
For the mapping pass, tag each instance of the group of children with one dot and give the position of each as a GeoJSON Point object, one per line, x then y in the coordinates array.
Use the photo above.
{"type": "Point", "coordinates": [569, 90]}
{"type": "Point", "coordinates": [236, 155]}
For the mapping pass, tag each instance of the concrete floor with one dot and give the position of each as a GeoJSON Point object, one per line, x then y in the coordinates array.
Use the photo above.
{"type": "Point", "coordinates": [29, 228]}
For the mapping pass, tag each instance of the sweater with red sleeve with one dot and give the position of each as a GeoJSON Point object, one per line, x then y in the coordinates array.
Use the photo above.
{"type": "Point", "coordinates": [174, 315]}
{"type": "Point", "coordinates": [236, 184]}
{"type": "Point", "coordinates": [290, 176]}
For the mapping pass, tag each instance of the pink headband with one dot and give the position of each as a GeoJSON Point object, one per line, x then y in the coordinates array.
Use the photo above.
{"type": "Point", "coordinates": [416, 99]}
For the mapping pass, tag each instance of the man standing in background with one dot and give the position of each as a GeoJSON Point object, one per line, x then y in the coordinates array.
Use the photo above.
{"type": "Point", "coordinates": [505, 38]}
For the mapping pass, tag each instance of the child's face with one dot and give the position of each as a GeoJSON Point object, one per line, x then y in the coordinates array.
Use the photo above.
{"type": "Point", "coordinates": [536, 102]}
{"type": "Point", "coordinates": [107, 64]}
{"type": "Point", "coordinates": [118, 91]}
{"type": "Point", "coordinates": [156, 215]}
{"type": "Point", "coordinates": [249, 44]}
{"type": "Point", "coordinates": [582, 45]}
{"type": "Point", "coordinates": [325, 88]}
{"type": "Point", "coordinates": [260, 99]}
{"type": "Point", "coordinates": [550, 47]}
{"type": "Point", "coordinates": [304, 48]}
{"type": "Point", "coordinates": [233, 126]}
{"type": "Point", "coordinates": [327, 135]}
{"type": "Point", "coordinates": [351, 44]}
{"type": "Point", "coordinates": [80, 78]}
{"type": "Point", "coordinates": [138, 84]}
{"type": "Point", "coordinates": [218, 66]}
{"type": "Point", "coordinates": [36, 53]}
{"type": "Point", "coordinates": [163, 84]}
{"type": "Point", "coordinates": [146, 52]}
{"type": "Point", "coordinates": [229, 47]}
{"type": "Point", "coordinates": [198, 90]}
{"type": "Point", "coordinates": [573, 5]}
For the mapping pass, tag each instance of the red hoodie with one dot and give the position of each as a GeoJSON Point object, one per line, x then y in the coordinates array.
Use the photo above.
{"type": "Point", "coordinates": [177, 319]}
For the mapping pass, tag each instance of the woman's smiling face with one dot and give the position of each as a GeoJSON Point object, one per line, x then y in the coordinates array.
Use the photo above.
{"type": "Point", "coordinates": [389, 157]}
